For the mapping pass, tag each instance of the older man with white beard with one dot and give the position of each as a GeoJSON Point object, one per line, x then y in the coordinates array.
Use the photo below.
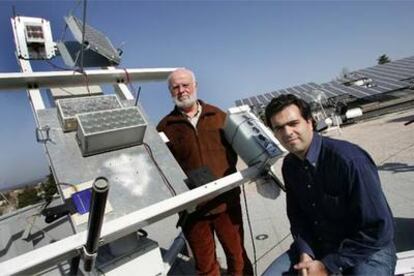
{"type": "Point", "coordinates": [196, 139]}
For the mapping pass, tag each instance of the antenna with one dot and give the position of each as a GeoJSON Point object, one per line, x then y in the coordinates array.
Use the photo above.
{"type": "Point", "coordinates": [83, 36]}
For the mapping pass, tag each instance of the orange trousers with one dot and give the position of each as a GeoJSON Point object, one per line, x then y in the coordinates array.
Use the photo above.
{"type": "Point", "coordinates": [228, 226]}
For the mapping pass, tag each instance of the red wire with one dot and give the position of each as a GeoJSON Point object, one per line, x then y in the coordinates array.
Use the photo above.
{"type": "Point", "coordinates": [127, 75]}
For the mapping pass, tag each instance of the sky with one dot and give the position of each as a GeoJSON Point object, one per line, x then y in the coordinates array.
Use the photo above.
{"type": "Point", "coordinates": [237, 49]}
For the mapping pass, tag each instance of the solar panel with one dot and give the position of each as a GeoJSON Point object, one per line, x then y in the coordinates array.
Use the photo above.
{"type": "Point", "coordinates": [95, 40]}
{"type": "Point", "coordinates": [315, 86]}
{"type": "Point", "coordinates": [384, 85]}
{"type": "Point", "coordinates": [404, 65]}
{"type": "Point", "coordinates": [269, 96]}
{"type": "Point", "coordinates": [259, 101]}
{"type": "Point", "coordinates": [254, 101]}
{"type": "Point", "coordinates": [275, 93]}
{"type": "Point", "coordinates": [396, 84]}
{"type": "Point", "coordinates": [392, 72]}
{"type": "Point", "coordinates": [312, 92]}
{"type": "Point", "coordinates": [364, 83]}
{"type": "Point", "coordinates": [398, 68]}
{"type": "Point", "coordinates": [407, 61]}
{"type": "Point", "coordinates": [356, 91]}
{"type": "Point", "coordinates": [263, 99]}
{"type": "Point", "coordinates": [382, 74]}
{"type": "Point", "coordinates": [305, 95]}
{"type": "Point", "coordinates": [290, 90]}
{"type": "Point", "coordinates": [338, 92]}
{"type": "Point", "coordinates": [246, 102]}
{"type": "Point", "coordinates": [347, 90]}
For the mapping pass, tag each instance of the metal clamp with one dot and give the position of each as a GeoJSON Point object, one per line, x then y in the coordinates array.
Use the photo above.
{"type": "Point", "coordinates": [89, 259]}
{"type": "Point", "coordinates": [39, 134]}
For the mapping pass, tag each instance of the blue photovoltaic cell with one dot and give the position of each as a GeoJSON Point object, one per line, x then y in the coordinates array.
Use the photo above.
{"type": "Point", "coordinates": [390, 72]}
{"type": "Point", "coordinates": [386, 84]}
{"type": "Point", "coordinates": [263, 99]}
{"type": "Point", "coordinates": [350, 90]}
{"type": "Point", "coordinates": [396, 84]}
{"type": "Point", "coordinates": [398, 69]}
{"type": "Point", "coordinates": [82, 200]}
{"type": "Point", "coordinates": [305, 95]}
{"type": "Point", "coordinates": [402, 67]}
{"type": "Point", "coordinates": [275, 93]}
{"type": "Point", "coordinates": [404, 62]}
{"type": "Point", "coordinates": [382, 74]}
{"type": "Point", "coordinates": [328, 92]}
{"type": "Point", "coordinates": [254, 101]}
{"type": "Point", "coordinates": [246, 102]}
{"type": "Point", "coordinates": [365, 90]}
{"type": "Point", "coordinates": [269, 96]}
{"type": "Point", "coordinates": [97, 41]}
{"type": "Point", "coordinates": [290, 90]}
{"type": "Point", "coordinates": [337, 92]}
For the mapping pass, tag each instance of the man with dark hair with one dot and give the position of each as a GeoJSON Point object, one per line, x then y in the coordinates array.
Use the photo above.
{"type": "Point", "coordinates": [194, 129]}
{"type": "Point", "coordinates": [340, 219]}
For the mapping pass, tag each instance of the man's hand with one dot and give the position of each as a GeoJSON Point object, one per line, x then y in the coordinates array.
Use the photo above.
{"type": "Point", "coordinates": [309, 267]}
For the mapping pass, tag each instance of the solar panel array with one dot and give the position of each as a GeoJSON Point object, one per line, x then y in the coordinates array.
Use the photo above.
{"type": "Point", "coordinates": [363, 83]}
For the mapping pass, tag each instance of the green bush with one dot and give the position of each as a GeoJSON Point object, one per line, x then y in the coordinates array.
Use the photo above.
{"type": "Point", "coordinates": [29, 196]}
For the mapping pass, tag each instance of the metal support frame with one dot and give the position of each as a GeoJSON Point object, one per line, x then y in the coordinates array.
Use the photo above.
{"type": "Point", "coordinates": [34, 94]}
{"type": "Point", "coordinates": [56, 79]}
{"type": "Point", "coordinates": [121, 88]}
{"type": "Point", "coordinates": [36, 260]}
{"type": "Point", "coordinates": [405, 263]}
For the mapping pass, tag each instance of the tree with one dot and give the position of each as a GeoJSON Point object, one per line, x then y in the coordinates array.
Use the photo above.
{"type": "Point", "coordinates": [383, 59]}
{"type": "Point", "coordinates": [28, 196]}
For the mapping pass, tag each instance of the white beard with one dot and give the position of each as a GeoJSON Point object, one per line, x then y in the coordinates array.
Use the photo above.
{"type": "Point", "coordinates": [185, 102]}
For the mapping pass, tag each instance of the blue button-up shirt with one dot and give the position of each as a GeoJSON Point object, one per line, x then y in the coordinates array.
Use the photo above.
{"type": "Point", "coordinates": [335, 204]}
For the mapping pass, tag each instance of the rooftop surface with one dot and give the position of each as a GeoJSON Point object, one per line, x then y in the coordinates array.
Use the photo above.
{"type": "Point", "coordinates": [391, 145]}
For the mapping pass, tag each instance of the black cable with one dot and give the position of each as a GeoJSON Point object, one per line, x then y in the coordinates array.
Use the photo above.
{"type": "Point", "coordinates": [409, 122]}
{"type": "Point", "coordinates": [83, 35]}
{"type": "Point", "coordinates": [137, 96]}
{"type": "Point", "coordinates": [250, 229]}
{"type": "Point", "coordinates": [163, 177]}
{"type": "Point", "coordinates": [86, 79]}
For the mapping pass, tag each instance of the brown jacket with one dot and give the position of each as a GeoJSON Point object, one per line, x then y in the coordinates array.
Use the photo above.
{"type": "Point", "coordinates": [203, 146]}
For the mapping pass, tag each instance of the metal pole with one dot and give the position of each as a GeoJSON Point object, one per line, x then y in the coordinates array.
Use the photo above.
{"type": "Point", "coordinates": [83, 36]}
{"type": "Point", "coordinates": [100, 190]}
{"type": "Point", "coordinates": [74, 266]}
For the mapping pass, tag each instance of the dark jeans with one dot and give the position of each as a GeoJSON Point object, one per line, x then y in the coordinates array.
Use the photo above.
{"type": "Point", "coordinates": [380, 263]}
